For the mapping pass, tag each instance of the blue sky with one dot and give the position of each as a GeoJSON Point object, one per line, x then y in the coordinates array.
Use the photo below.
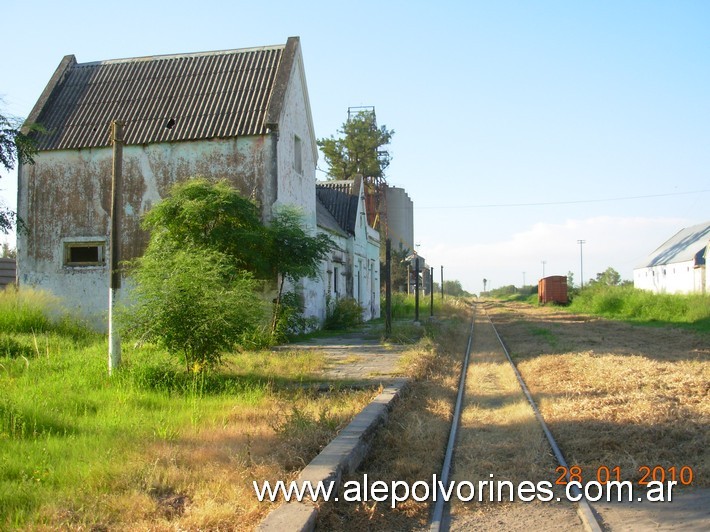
{"type": "Point", "coordinates": [520, 127]}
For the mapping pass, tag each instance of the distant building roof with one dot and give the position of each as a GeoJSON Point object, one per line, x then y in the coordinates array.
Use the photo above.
{"type": "Point", "coordinates": [341, 198]}
{"type": "Point", "coordinates": [165, 98]}
{"type": "Point", "coordinates": [687, 244]}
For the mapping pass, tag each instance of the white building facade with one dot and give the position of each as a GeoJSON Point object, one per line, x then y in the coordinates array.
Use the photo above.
{"type": "Point", "coordinates": [679, 265]}
{"type": "Point", "coordinates": [241, 115]}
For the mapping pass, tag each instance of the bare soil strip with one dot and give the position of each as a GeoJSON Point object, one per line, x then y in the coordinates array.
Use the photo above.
{"type": "Point", "coordinates": [624, 396]}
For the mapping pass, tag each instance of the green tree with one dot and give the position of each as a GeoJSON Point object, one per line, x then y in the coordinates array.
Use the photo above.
{"type": "Point", "coordinates": [398, 271]}
{"type": "Point", "coordinates": [212, 215]}
{"type": "Point", "coordinates": [15, 145]}
{"type": "Point", "coordinates": [8, 252]}
{"type": "Point", "coordinates": [453, 288]}
{"type": "Point", "coordinates": [609, 277]}
{"type": "Point", "coordinates": [359, 149]}
{"type": "Point", "coordinates": [293, 253]}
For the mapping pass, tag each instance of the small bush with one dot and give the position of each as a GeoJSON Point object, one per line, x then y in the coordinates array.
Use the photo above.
{"type": "Point", "coordinates": [345, 314]}
{"type": "Point", "coordinates": [291, 322]}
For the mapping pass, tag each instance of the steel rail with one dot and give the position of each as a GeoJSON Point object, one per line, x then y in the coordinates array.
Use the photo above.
{"type": "Point", "coordinates": [437, 516]}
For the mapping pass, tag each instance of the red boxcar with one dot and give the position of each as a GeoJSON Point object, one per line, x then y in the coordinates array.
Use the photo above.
{"type": "Point", "coordinates": [552, 289]}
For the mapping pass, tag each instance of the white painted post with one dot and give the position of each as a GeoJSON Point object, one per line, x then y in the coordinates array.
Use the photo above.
{"type": "Point", "coordinates": [114, 341]}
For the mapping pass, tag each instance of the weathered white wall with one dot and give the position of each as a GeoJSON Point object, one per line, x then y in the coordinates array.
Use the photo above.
{"type": "Point", "coordinates": [676, 278]}
{"type": "Point", "coordinates": [66, 195]}
{"type": "Point", "coordinates": [299, 188]}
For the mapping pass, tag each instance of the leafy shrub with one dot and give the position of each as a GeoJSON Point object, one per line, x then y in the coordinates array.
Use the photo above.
{"type": "Point", "coordinates": [346, 313]}
{"type": "Point", "coordinates": [191, 301]}
{"type": "Point", "coordinates": [291, 321]}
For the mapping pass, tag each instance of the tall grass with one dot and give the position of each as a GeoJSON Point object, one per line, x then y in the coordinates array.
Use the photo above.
{"type": "Point", "coordinates": [626, 302]}
{"type": "Point", "coordinates": [403, 305]}
{"type": "Point", "coordinates": [36, 311]}
{"type": "Point", "coordinates": [73, 440]}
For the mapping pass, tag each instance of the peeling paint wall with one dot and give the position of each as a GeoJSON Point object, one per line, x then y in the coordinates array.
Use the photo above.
{"type": "Point", "coordinates": [65, 197]}
{"type": "Point", "coordinates": [353, 269]}
{"type": "Point", "coordinates": [299, 187]}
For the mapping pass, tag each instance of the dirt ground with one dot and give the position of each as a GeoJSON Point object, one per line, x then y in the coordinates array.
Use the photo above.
{"type": "Point", "coordinates": [613, 395]}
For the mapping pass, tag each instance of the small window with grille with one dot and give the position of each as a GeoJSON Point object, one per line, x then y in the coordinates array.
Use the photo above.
{"type": "Point", "coordinates": [81, 254]}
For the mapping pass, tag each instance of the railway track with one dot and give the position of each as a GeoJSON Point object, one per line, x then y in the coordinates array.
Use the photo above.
{"type": "Point", "coordinates": [478, 454]}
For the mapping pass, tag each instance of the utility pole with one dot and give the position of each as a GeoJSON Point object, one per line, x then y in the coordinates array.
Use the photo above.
{"type": "Point", "coordinates": [581, 262]}
{"type": "Point", "coordinates": [388, 287]}
{"type": "Point", "coordinates": [416, 287]}
{"type": "Point", "coordinates": [431, 290]}
{"type": "Point", "coordinates": [442, 282]}
{"type": "Point", "coordinates": [543, 269]}
{"type": "Point", "coordinates": [114, 341]}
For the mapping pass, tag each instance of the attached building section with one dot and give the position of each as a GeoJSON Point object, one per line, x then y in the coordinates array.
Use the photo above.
{"type": "Point", "coordinates": [353, 268]}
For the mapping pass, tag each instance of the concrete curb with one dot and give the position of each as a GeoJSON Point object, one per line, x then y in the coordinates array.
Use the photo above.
{"type": "Point", "coordinates": [341, 456]}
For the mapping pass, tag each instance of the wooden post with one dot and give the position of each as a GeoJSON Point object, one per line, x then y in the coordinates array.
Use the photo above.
{"type": "Point", "coordinates": [416, 287]}
{"type": "Point", "coordinates": [388, 287]}
{"type": "Point", "coordinates": [431, 291]}
{"type": "Point", "coordinates": [114, 341]}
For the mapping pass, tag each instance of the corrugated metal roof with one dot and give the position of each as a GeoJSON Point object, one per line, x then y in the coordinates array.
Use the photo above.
{"type": "Point", "coordinates": [684, 246]}
{"type": "Point", "coordinates": [341, 200]}
{"type": "Point", "coordinates": [203, 95]}
{"type": "Point", "coordinates": [325, 220]}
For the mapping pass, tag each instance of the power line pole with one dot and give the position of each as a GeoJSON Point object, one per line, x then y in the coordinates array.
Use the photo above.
{"type": "Point", "coordinates": [388, 287]}
{"type": "Point", "coordinates": [114, 342]}
{"type": "Point", "coordinates": [431, 290]}
{"type": "Point", "coordinates": [416, 288]}
{"type": "Point", "coordinates": [581, 262]}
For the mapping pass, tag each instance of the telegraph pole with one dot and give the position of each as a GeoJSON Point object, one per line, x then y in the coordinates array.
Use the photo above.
{"type": "Point", "coordinates": [388, 287]}
{"type": "Point", "coordinates": [114, 342]}
{"type": "Point", "coordinates": [431, 290]}
{"type": "Point", "coordinates": [581, 262]}
{"type": "Point", "coordinates": [416, 287]}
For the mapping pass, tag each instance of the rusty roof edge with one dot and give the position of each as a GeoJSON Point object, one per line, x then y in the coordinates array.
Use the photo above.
{"type": "Point", "coordinates": [67, 62]}
{"type": "Point", "coordinates": [283, 75]}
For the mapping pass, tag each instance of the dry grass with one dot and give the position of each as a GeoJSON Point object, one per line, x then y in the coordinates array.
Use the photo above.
{"type": "Point", "coordinates": [615, 394]}
{"type": "Point", "coordinates": [202, 480]}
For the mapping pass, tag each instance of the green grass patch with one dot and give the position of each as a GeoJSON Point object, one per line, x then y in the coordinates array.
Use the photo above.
{"type": "Point", "coordinates": [628, 303]}
{"type": "Point", "coordinates": [70, 435]}
{"type": "Point", "coordinates": [404, 305]}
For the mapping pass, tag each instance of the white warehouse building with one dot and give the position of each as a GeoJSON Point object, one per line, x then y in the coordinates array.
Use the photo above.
{"type": "Point", "coordinates": [678, 266]}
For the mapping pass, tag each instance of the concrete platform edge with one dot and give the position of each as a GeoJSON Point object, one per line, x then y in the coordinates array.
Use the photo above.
{"type": "Point", "coordinates": [341, 456]}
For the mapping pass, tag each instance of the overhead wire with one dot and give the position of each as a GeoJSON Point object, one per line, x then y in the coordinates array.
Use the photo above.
{"type": "Point", "coordinates": [565, 202]}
